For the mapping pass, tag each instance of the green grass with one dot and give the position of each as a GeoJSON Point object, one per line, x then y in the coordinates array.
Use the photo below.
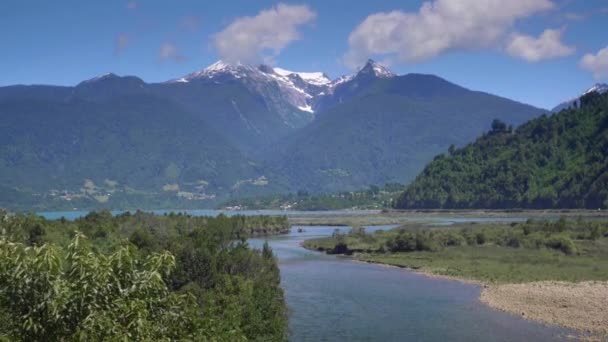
{"type": "Point", "coordinates": [500, 264]}
{"type": "Point", "coordinates": [563, 250]}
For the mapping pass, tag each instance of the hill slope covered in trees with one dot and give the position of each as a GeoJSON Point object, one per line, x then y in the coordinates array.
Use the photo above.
{"type": "Point", "coordinates": [550, 162]}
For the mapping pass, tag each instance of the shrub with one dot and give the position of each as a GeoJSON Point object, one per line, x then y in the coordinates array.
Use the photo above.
{"type": "Point", "coordinates": [80, 295]}
{"type": "Point", "coordinates": [340, 248]}
{"type": "Point", "coordinates": [513, 242]}
{"type": "Point", "coordinates": [455, 240]}
{"type": "Point", "coordinates": [480, 238]}
{"type": "Point", "coordinates": [562, 243]}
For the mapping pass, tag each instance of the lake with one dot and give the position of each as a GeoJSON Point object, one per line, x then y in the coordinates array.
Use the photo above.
{"type": "Point", "coordinates": [71, 215]}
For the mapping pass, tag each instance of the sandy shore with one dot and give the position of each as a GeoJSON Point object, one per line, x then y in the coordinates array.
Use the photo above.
{"type": "Point", "coordinates": [580, 306]}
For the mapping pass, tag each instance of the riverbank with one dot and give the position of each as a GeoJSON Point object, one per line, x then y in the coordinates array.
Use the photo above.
{"type": "Point", "coordinates": [553, 272]}
{"type": "Point", "coordinates": [579, 306]}
{"type": "Point", "coordinates": [388, 217]}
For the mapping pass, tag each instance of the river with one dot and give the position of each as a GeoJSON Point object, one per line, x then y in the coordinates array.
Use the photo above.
{"type": "Point", "coordinates": [333, 298]}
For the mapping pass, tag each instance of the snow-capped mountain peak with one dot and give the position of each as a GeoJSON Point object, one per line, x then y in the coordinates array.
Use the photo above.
{"type": "Point", "coordinates": [302, 90]}
{"type": "Point", "coordinates": [598, 87]}
{"type": "Point", "coordinates": [237, 70]}
{"type": "Point", "coordinates": [374, 68]}
{"type": "Point", "coordinates": [217, 66]}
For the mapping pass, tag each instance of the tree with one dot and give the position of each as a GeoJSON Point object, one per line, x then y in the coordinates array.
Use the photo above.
{"type": "Point", "coordinates": [452, 149]}
{"type": "Point", "coordinates": [374, 189]}
{"type": "Point", "coordinates": [81, 295]}
{"type": "Point", "coordinates": [498, 126]}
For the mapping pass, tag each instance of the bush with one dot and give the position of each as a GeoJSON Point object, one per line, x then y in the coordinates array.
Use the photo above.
{"type": "Point", "coordinates": [80, 295]}
{"type": "Point", "coordinates": [340, 248]}
{"type": "Point", "coordinates": [562, 243]}
{"type": "Point", "coordinates": [454, 239]}
{"type": "Point", "coordinates": [480, 238]}
{"type": "Point", "coordinates": [513, 242]}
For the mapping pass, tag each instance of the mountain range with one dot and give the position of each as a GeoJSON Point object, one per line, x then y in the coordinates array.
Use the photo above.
{"type": "Point", "coordinates": [230, 130]}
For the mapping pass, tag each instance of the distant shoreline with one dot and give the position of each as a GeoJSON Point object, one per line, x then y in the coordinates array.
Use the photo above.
{"type": "Point", "coordinates": [376, 217]}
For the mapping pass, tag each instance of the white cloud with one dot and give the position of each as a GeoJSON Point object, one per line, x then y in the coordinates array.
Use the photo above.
{"type": "Point", "coordinates": [189, 23]}
{"type": "Point", "coordinates": [439, 26]}
{"type": "Point", "coordinates": [169, 51]}
{"type": "Point", "coordinates": [264, 36]}
{"type": "Point", "coordinates": [596, 63]}
{"type": "Point", "coordinates": [548, 45]}
{"type": "Point", "coordinates": [121, 42]}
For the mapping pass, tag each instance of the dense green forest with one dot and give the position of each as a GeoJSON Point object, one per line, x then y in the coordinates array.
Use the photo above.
{"type": "Point", "coordinates": [139, 277]}
{"type": "Point", "coordinates": [557, 161]}
{"type": "Point", "coordinates": [374, 197]}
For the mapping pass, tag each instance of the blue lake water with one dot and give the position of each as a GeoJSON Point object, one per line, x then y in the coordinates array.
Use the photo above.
{"type": "Point", "coordinates": [71, 215]}
{"type": "Point", "coordinates": [333, 298]}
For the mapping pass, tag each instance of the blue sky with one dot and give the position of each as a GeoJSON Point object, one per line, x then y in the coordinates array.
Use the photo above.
{"type": "Point", "coordinates": [474, 43]}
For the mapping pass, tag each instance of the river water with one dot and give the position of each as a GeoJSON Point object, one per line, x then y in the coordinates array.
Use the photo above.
{"type": "Point", "coordinates": [333, 298]}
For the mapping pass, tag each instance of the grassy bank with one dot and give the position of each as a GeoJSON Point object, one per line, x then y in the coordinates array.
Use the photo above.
{"type": "Point", "coordinates": [500, 265]}
{"type": "Point", "coordinates": [568, 250]}
{"type": "Point", "coordinates": [407, 217]}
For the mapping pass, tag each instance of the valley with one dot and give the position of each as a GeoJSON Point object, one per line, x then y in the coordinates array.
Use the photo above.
{"type": "Point", "coordinates": [233, 171]}
{"type": "Point", "coordinates": [228, 132]}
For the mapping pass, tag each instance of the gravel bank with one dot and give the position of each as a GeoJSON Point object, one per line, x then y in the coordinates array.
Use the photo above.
{"type": "Point", "coordinates": [581, 306]}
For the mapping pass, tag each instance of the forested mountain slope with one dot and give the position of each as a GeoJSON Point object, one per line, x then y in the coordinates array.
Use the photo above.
{"type": "Point", "coordinates": [387, 131]}
{"type": "Point", "coordinates": [558, 161]}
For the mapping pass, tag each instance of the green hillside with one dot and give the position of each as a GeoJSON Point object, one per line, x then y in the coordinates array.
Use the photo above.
{"type": "Point", "coordinates": [119, 152]}
{"type": "Point", "coordinates": [388, 132]}
{"type": "Point", "coordinates": [550, 162]}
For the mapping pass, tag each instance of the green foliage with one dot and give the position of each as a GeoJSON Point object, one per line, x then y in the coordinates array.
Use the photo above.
{"type": "Point", "coordinates": [80, 295]}
{"type": "Point", "coordinates": [550, 162]}
{"type": "Point", "coordinates": [180, 277]}
{"type": "Point", "coordinates": [561, 235]}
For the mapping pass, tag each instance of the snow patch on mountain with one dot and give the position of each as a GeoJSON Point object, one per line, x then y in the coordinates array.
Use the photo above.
{"type": "Point", "coordinates": [306, 108]}
{"type": "Point", "coordinates": [301, 90]}
{"type": "Point", "coordinates": [598, 87]}
{"type": "Point", "coordinates": [376, 69]}
{"type": "Point", "coordinates": [315, 78]}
